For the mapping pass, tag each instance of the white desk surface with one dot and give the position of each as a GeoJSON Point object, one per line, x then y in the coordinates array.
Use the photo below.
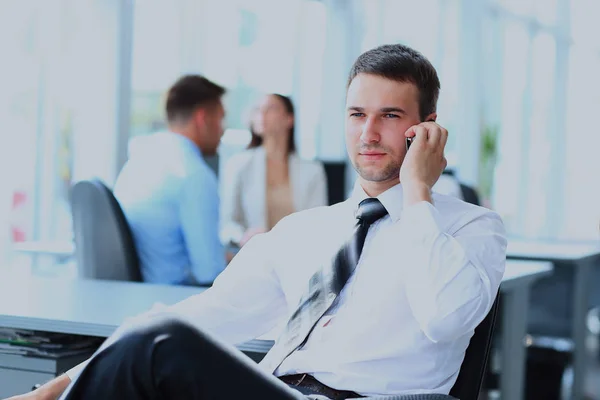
{"type": "Point", "coordinates": [552, 250]}
{"type": "Point", "coordinates": [83, 307]}
{"type": "Point", "coordinates": [519, 272]}
{"type": "Point", "coordinates": [60, 249]}
{"type": "Point", "coordinates": [97, 308]}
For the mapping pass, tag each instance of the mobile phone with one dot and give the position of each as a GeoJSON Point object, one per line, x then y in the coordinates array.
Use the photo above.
{"type": "Point", "coordinates": [410, 139]}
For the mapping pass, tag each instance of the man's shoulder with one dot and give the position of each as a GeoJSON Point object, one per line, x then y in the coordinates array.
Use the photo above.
{"type": "Point", "coordinates": [453, 209]}
{"type": "Point", "coordinates": [198, 173]}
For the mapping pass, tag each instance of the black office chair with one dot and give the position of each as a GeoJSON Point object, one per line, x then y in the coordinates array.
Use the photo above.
{"type": "Point", "coordinates": [104, 245]}
{"type": "Point", "coordinates": [473, 368]}
{"type": "Point", "coordinates": [470, 194]}
{"type": "Point", "coordinates": [335, 172]}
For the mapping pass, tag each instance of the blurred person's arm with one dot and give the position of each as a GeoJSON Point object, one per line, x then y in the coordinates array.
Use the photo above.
{"type": "Point", "coordinates": [199, 219]}
{"type": "Point", "coordinates": [232, 226]}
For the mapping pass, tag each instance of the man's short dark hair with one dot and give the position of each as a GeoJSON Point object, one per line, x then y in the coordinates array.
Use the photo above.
{"type": "Point", "coordinates": [189, 93]}
{"type": "Point", "coordinates": [402, 64]}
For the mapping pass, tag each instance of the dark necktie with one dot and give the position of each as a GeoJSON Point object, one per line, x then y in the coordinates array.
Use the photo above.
{"type": "Point", "coordinates": [324, 287]}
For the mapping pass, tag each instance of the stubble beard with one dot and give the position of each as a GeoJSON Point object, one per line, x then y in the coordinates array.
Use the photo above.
{"type": "Point", "coordinates": [389, 172]}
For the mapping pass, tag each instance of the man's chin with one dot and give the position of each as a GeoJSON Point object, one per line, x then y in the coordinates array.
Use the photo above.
{"type": "Point", "coordinates": [372, 175]}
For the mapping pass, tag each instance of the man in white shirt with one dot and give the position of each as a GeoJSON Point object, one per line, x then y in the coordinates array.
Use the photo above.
{"type": "Point", "coordinates": [396, 320]}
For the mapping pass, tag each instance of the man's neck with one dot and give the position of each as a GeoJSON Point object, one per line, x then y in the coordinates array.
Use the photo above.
{"type": "Point", "coordinates": [187, 133]}
{"type": "Point", "coordinates": [374, 189]}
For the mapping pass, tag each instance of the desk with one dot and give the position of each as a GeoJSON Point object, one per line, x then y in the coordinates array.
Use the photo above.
{"type": "Point", "coordinates": [79, 307]}
{"type": "Point", "coordinates": [97, 308]}
{"type": "Point", "coordinates": [576, 258]}
{"type": "Point", "coordinates": [63, 249]}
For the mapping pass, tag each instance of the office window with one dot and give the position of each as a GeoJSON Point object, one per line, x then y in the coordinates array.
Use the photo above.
{"type": "Point", "coordinates": [509, 169]}
{"type": "Point", "coordinates": [543, 11]}
{"type": "Point", "coordinates": [529, 179]}
{"type": "Point", "coordinates": [164, 40]}
{"type": "Point", "coordinates": [249, 47]}
{"type": "Point", "coordinates": [19, 100]}
{"type": "Point", "coordinates": [60, 100]}
{"type": "Point", "coordinates": [582, 195]}
{"type": "Point", "coordinates": [540, 130]}
{"type": "Point", "coordinates": [437, 37]}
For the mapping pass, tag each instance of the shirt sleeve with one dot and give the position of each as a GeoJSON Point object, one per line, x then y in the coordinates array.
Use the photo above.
{"type": "Point", "coordinates": [451, 279]}
{"type": "Point", "coordinates": [245, 301]}
{"type": "Point", "coordinates": [199, 219]}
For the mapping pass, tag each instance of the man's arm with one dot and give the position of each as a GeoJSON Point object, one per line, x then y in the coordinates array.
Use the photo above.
{"type": "Point", "coordinates": [452, 274]}
{"type": "Point", "coordinates": [246, 300]}
{"type": "Point", "coordinates": [199, 218]}
{"type": "Point", "coordinates": [451, 279]}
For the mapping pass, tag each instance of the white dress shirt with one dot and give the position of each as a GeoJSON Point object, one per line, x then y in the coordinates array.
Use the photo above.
{"type": "Point", "coordinates": [428, 275]}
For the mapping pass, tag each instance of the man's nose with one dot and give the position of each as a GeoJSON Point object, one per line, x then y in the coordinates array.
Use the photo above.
{"type": "Point", "coordinates": [370, 131]}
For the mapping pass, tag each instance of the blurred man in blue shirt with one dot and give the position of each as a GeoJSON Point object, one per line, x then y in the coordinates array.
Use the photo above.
{"type": "Point", "coordinates": [170, 195]}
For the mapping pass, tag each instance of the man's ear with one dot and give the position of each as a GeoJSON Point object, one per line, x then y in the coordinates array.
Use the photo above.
{"type": "Point", "coordinates": [199, 117]}
{"type": "Point", "coordinates": [431, 117]}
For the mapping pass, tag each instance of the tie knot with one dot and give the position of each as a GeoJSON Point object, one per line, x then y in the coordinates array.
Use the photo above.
{"type": "Point", "coordinates": [370, 210]}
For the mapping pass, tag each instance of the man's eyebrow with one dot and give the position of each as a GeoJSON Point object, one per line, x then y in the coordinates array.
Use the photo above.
{"type": "Point", "coordinates": [392, 109]}
{"type": "Point", "coordinates": [383, 109]}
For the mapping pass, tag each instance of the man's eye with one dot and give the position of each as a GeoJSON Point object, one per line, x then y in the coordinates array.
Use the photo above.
{"type": "Point", "coordinates": [358, 115]}
{"type": "Point", "coordinates": [391, 116]}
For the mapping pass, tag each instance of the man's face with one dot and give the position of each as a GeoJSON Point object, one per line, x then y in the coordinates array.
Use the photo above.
{"type": "Point", "coordinates": [378, 113]}
{"type": "Point", "coordinates": [214, 127]}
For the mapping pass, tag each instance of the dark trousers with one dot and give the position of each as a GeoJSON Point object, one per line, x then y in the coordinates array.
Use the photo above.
{"type": "Point", "coordinates": [168, 359]}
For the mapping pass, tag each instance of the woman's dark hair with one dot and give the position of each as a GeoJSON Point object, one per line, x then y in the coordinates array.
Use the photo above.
{"type": "Point", "coordinates": [257, 141]}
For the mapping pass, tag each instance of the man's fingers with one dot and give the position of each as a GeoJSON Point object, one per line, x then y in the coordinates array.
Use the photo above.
{"type": "Point", "coordinates": [420, 133]}
{"type": "Point", "coordinates": [434, 135]}
{"type": "Point", "coordinates": [410, 132]}
{"type": "Point", "coordinates": [444, 138]}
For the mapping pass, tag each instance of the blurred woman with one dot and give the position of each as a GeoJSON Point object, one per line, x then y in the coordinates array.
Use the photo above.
{"type": "Point", "coordinates": [268, 181]}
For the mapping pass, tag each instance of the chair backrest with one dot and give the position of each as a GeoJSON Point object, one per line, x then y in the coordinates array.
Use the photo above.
{"type": "Point", "coordinates": [472, 370]}
{"type": "Point", "coordinates": [469, 194]}
{"type": "Point", "coordinates": [336, 181]}
{"type": "Point", "coordinates": [104, 245]}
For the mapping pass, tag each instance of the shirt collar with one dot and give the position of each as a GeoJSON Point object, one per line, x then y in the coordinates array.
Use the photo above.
{"type": "Point", "coordinates": [183, 142]}
{"type": "Point", "coordinates": [391, 199]}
